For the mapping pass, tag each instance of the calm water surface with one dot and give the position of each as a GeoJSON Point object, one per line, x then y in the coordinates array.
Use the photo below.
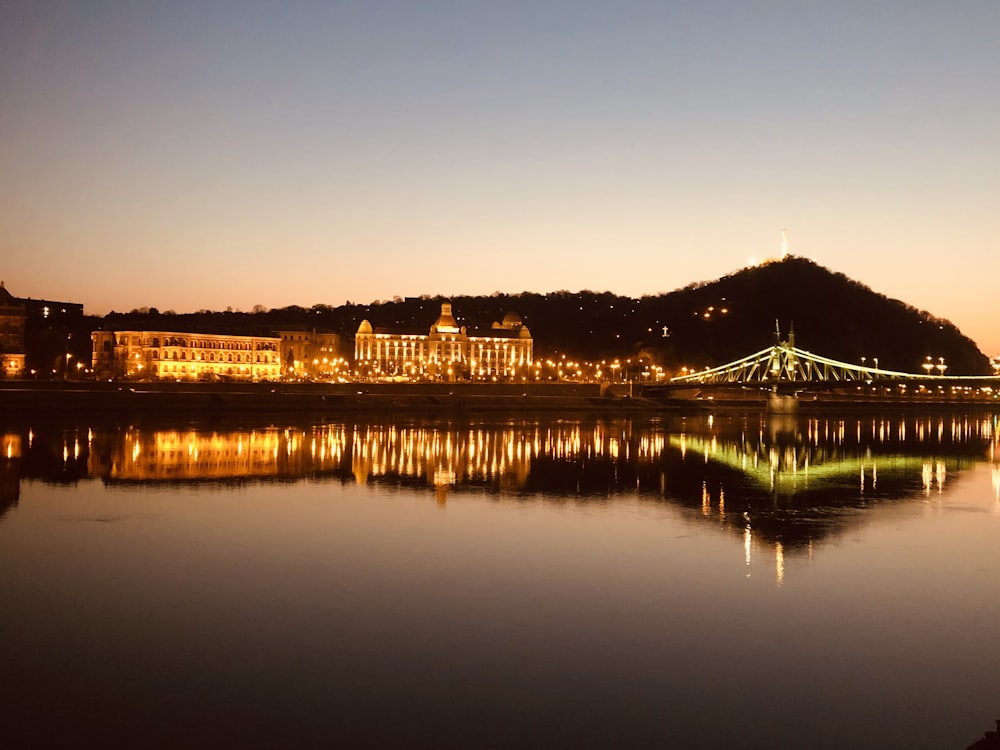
{"type": "Point", "coordinates": [696, 582]}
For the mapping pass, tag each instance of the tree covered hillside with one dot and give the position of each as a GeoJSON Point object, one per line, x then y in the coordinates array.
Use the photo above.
{"type": "Point", "coordinates": [703, 324]}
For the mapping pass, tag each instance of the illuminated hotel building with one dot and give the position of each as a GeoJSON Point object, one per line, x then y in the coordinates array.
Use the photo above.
{"type": "Point", "coordinates": [448, 350]}
{"type": "Point", "coordinates": [185, 356]}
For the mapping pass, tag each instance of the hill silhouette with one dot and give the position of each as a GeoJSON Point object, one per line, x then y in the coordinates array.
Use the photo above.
{"type": "Point", "coordinates": [703, 324]}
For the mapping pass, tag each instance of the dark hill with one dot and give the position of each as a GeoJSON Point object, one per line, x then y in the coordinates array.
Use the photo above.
{"type": "Point", "coordinates": [716, 322]}
{"type": "Point", "coordinates": [706, 324]}
{"type": "Point", "coordinates": [832, 315]}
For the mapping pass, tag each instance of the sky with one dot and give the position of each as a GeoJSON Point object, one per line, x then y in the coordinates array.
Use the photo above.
{"type": "Point", "coordinates": [205, 155]}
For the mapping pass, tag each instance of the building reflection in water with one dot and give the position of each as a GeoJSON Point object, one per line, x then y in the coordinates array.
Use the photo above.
{"type": "Point", "coordinates": [778, 485]}
{"type": "Point", "coordinates": [10, 471]}
{"type": "Point", "coordinates": [150, 456]}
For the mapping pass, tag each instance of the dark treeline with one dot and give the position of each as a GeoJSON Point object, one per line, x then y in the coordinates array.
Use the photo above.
{"type": "Point", "coordinates": [703, 324]}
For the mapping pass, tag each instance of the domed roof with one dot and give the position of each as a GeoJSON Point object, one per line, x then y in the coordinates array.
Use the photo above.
{"type": "Point", "coordinates": [446, 323]}
{"type": "Point", "coordinates": [524, 333]}
{"type": "Point", "coordinates": [365, 327]}
{"type": "Point", "coordinates": [512, 320]}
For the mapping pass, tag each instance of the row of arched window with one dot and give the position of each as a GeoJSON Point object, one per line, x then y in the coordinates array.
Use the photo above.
{"type": "Point", "coordinates": [247, 346]}
{"type": "Point", "coordinates": [210, 357]}
{"type": "Point", "coordinates": [210, 370]}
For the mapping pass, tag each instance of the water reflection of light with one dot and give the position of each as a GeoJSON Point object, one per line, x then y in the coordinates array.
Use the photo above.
{"type": "Point", "coordinates": [12, 446]}
{"type": "Point", "coordinates": [426, 452]}
{"type": "Point", "coordinates": [747, 548]}
{"type": "Point", "coordinates": [779, 563]}
{"type": "Point", "coordinates": [191, 454]}
{"type": "Point", "coordinates": [933, 476]}
{"type": "Point", "coordinates": [443, 476]}
{"type": "Point", "coordinates": [783, 458]}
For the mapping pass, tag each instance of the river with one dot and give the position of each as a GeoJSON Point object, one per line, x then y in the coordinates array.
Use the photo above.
{"type": "Point", "coordinates": [697, 581]}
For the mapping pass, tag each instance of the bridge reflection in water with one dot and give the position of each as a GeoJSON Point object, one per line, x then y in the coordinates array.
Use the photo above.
{"type": "Point", "coordinates": [778, 484]}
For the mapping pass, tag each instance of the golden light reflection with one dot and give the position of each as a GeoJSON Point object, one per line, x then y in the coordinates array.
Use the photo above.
{"type": "Point", "coordinates": [11, 445]}
{"type": "Point", "coordinates": [933, 476]}
{"type": "Point", "coordinates": [609, 456]}
{"type": "Point", "coordinates": [779, 563]}
{"type": "Point", "coordinates": [182, 455]}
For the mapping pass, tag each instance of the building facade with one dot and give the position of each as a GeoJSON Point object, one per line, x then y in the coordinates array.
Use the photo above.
{"type": "Point", "coordinates": [312, 355]}
{"type": "Point", "coordinates": [41, 338]}
{"type": "Point", "coordinates": [12, 319]}
{"type": "Point", "coordinates": [154, 355]}
{"type": "Point", "coordinates": [448, 351]}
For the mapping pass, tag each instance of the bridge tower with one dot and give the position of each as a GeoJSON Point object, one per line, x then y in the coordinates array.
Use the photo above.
{"type": "Point", "coordinates": [783, 403]}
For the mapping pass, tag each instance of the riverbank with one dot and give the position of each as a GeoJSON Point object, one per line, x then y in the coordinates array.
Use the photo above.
{"type": "Point", "coordinates": [192, 400]}
{"type": "Point", "coordinates": [213, 399]}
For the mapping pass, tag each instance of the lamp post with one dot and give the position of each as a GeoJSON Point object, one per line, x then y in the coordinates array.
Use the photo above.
{"type": "Point", "coordinates": [68, 355]}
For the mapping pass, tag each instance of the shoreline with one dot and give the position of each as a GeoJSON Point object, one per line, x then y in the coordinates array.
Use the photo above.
{"type": "Point", "coordinates": [125, 399]}
{"type": "Point", "coordinates": [302, 399]}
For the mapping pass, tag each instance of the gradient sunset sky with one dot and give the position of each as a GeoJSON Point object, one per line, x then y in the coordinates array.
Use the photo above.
{"type": "Point", "coordinates": [189, 155]}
